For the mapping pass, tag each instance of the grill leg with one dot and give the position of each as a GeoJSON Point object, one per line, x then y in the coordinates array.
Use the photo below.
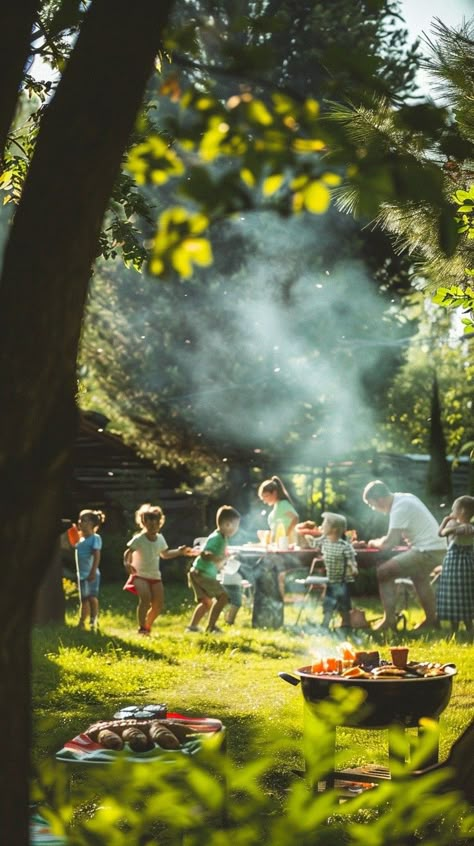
{"type": "Point", "coordinates": [433, 758]}
{"type": "Point", "coordinates": [395, 753]}
{"type": "Point", "coordinates": [310, 754]}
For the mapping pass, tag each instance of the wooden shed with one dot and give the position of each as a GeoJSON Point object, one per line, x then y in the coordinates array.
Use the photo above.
{"type": "Point", "coordinates": [109, 475]}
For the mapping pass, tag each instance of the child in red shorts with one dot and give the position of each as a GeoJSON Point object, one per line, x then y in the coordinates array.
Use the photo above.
{"type": "Point", "coordinates": [142, 562]}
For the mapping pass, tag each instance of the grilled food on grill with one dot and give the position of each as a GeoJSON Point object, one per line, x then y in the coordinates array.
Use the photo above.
{"type": "Point", "coordinates": [356, 673]}
{"type": "Point", "coordinates": [369, 665]}
{"type": "Point", "coordinates": [388, 670]}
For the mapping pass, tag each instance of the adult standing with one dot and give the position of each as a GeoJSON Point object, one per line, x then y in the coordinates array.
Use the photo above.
{"type": "Point", "coordinates": [410, 522]}
{"type": "Point", "coordinates": [273, 492]}
{"type": "Point", "coordinates": [269, 576]}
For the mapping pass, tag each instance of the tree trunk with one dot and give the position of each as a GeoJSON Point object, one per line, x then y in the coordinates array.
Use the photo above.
{"type": "Point", "coordinates": [50, 605]}
{"type": "Point", "coordinates": [44, 283]}
{"type": "Point", "coordinates": [16, 24]}
{"type": "Point", "coordinates": [439, 470]}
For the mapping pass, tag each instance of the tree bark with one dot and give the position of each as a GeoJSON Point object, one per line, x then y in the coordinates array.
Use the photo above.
{"type": "Point", "coordinates": [43, 288]}
{"type": "Point", "coordinates": [16, 24]}
{"type": "Point", "coordinates": [50, 605]}
{"type": "Point", "coordinates": [438, 481]}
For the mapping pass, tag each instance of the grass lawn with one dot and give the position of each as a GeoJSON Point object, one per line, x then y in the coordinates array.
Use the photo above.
{"type": "Point", "coordinates": [80, 677]}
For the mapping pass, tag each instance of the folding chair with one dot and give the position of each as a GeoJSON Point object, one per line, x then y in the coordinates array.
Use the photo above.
{"type": "Point", "coordinates": [406, 589]}
{"type": "Point", "coordinates": [312, 582]}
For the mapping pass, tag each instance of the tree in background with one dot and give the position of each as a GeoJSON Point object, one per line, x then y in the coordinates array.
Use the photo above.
{"type": "Point", "coordinates": [437, 347]}
{"type": "Point", "coordinates": [55, 236]}
{"type": "Point", "coordinates": [439, 472]}
{"type": "Point", "coordinates": [282, 294]}
{"type": "Point", "coordinates": [437, 236]}
{"type": "Point", "coordinates": [304, 48]}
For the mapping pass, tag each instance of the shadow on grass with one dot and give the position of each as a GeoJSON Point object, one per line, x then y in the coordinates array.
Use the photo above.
{"type": "Point", "coordinates": [100, 642]}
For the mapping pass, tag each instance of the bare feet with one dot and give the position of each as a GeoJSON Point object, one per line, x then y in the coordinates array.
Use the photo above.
{"type": "Point", "coordinates": [384, 625]}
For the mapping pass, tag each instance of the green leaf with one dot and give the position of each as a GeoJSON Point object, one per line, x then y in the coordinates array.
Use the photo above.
{"type": "Point", "coordinates": [257, 112]}
{"type": "Point", "coordinates": [271, 184]}
{"type": "Point", "coordinates": [191, 251]}
{"type": "Point", "coordinates": [316, 197]}
{"type": "Point", "coordinates": [284, 105]}
{"type": "Point", "coordinates": [460, 196]}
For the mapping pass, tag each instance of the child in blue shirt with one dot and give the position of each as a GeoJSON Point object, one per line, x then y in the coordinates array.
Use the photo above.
{"type": "Point", "coordinates": [88, 550]}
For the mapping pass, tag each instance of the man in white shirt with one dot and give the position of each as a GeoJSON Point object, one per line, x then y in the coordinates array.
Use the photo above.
{"type": "Point", "coordinates": [410, 523]}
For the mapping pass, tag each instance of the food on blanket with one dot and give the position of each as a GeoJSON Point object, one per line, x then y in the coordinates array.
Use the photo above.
{"type": "Point", "coordinates": [169, 734]}
{"type": "Point", "coordinates": [136, 739]}
{"type": "Point", "coordinates": [117, 726]}
{"type": "Point", "coordinates": [109, 739]}
{"type": "Point", "coordinates": [180, 729]}
{"type": "Point", "coordinates": [163, 736]}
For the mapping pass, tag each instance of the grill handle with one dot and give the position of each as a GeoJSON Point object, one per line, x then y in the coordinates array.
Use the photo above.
{"type": "Point", "coordinates": [289, 678]}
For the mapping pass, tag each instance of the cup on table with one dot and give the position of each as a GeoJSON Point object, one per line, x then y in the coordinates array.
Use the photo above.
{"type": "Point", "coordinates": [399, 656]}
{"type": "Point", "coordinates": [264, 536]}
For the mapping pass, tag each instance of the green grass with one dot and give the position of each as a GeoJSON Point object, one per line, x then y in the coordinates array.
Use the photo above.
{"type": "Point", "coordinates": [79, 677]}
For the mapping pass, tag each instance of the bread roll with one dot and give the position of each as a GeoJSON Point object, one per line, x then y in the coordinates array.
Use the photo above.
{"type": "Point", "coordinates": [136, 739]}
{"type": "Point", "coordinates": [180, 729]}
{"type": "Point", "coordinates": [163, 736]}
{"type": "Point", "coordinates": [109, 739]}
{"type": "Point", "coordinates": [118, 726]}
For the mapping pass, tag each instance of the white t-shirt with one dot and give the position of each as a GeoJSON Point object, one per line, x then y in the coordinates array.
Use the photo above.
{"type": "Point", "coordinates": [417, 524]}
{"type": "Point", "coordinates": [146, 555]}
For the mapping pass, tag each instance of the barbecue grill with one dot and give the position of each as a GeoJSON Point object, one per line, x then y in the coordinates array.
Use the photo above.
{"type": "Point", "coordinates": [388, 701]}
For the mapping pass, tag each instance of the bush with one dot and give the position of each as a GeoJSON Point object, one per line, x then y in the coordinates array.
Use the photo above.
{"type": "Point", "coordinates": [217, 803]}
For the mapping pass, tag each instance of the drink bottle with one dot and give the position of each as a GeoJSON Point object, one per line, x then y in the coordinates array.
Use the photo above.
{"type": "Point", "coordinates": [281, 539]}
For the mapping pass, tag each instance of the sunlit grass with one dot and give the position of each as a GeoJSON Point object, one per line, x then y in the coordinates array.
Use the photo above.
{"type": "Point", "coordinates": [79, 677]}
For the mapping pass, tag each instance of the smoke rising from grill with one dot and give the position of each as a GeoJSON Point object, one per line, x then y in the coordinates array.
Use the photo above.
{"type": "Point", "coordinates": [281, 346]}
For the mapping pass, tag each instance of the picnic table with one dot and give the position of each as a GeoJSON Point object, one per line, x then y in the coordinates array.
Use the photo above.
{"type": "Point", "coordinates": [370, 556]}
{"type": "Point", "coordinates": [266, 570]}
{"type": "Point", "coordinates": [268, 565]}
